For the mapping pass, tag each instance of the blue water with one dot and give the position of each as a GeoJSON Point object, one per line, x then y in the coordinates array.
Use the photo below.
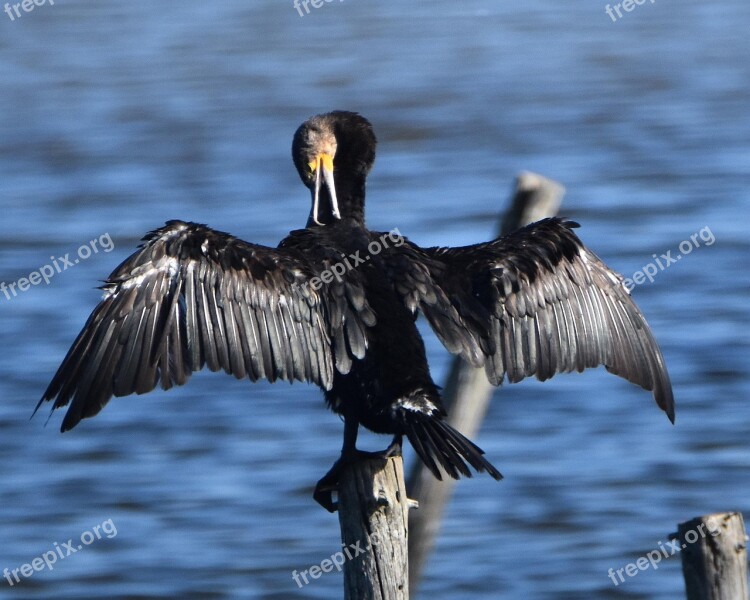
{"type": "Point", "coordinates": [117, 116]}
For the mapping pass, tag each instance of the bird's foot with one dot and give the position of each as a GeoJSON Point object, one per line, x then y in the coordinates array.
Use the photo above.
{"type": "Point", "coordinates": [329, 483]}
{"type": "Point", "coordinates": [393, 449]}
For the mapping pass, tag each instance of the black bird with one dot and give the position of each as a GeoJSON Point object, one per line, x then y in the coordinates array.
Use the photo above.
{"type": "Point", "coordinates": [335, 304]}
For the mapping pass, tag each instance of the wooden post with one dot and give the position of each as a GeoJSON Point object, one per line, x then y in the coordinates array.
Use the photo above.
{"type": "Point", "coordinates": [467, 392]}
{"type": "Point", "coordinates": [373, 514]}
{"type": "Point", "coordinates": [534, 199]}
{"type": "Point", "coordinates": [714, 557]}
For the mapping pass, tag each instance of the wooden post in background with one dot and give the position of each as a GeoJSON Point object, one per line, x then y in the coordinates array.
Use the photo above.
{"type": "Point", "coordinates": [373, 514]}
{"type": "Point", "coordinates": [467, 392]}
{"type": "Point", "coordinates": [714, 557]}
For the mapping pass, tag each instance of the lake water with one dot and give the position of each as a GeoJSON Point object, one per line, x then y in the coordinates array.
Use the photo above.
{"type": "Point", "coordinates": [117, 116]}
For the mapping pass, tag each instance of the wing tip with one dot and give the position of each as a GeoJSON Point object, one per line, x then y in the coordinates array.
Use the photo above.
{"type": "Point", "coordinates": [669, 409]}
{"type": "Point", "coordinates": [69, 422]}
{"type": "Point", "coordinates": [38, 405]}
{"type": "Point", "coordinates": [665, 400]}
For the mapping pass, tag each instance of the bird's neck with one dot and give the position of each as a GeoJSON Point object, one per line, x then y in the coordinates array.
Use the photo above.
{"type": "Point", "coordinates": [351, 197]}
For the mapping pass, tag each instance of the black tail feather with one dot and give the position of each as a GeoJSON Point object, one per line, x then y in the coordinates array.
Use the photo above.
{"type": "Point", "coordinates": [422, 452]}
{"type": "Point", "coordinates": [447, 452]}
{"type": "Point", "coordinates": [435, 442]}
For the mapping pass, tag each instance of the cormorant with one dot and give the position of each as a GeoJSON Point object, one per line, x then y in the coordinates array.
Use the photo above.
{"type": "Point", "coordinates": [335, 304]}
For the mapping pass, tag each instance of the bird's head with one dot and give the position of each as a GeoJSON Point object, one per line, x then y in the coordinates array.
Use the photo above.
{"type": "Point", "coordinates": [333, 153]}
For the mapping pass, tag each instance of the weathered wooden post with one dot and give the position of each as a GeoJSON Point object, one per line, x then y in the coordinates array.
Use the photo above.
{"type": "Point", "coordinates": [467, 392]}
{"type": "Point", "coordinates": [714, 557]}
{"type": "Point", "coordinates": [373, 514]}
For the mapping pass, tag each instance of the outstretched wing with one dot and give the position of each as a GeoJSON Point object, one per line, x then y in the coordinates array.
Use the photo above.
{"type": "Point", "coordinates": [538, 302]}
{"type": "Point", "coordinates": [192, 296]}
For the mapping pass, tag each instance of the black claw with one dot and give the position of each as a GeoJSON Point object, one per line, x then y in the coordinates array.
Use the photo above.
{"type": "Point", "coordinates": [329, 483]}
{"type": "Point", "coordinates": [324, 497]}
{"type": "Point", "coordinates": [394, 449]}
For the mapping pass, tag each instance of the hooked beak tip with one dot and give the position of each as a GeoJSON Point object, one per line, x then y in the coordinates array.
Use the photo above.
{"type": "Point", "coordinates": [331, 185]}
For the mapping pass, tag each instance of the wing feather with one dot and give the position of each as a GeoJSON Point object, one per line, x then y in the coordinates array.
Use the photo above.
{"type": "Point", "coordinates": [191, 297]}
{"type": "Point", "coordinates": [535, 302]}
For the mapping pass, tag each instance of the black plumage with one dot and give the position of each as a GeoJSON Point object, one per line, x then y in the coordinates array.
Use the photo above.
{"type": "Point", "coordinates": [335, 304]}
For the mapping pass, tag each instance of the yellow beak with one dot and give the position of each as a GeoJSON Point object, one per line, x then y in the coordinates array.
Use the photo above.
{"type": "Point", "coordinates": [323, 164]}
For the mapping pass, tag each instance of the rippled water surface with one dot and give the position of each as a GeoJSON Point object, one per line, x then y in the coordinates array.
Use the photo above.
{"type": "Point", "coordinates": [117, 116]}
